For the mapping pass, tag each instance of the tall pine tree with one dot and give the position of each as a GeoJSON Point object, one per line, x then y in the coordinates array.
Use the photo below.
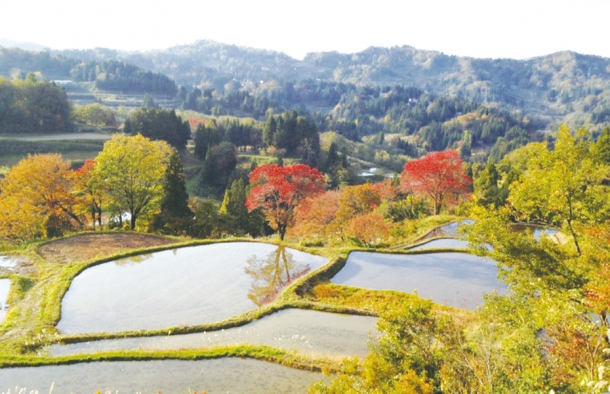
{"type": "Point", "coordinates": [175, 216]}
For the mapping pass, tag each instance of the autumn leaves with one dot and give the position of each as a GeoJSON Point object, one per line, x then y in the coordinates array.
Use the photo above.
{"type": "Point", "coordinates": [294, 201]}
{"type": "Point", "coordinates": [43, 197]}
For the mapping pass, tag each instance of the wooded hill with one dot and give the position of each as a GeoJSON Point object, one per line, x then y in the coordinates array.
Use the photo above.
{"type": "Point", "coordinates": [107, 75]}
{"type": "Point", "coordinates": [435, 100]}
{"type": "Point", "coordinates": [556, 87]}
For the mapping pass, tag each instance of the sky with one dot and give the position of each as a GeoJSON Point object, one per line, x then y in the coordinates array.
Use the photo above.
{"type": "Point", "coordinates": [515, 29]}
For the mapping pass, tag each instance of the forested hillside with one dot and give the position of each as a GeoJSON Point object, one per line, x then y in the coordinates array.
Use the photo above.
{"type": "Point", "coordinates": [432, 100]}
{"type": "Point", "coordinates": [110, 75]}
{"type": "Point", "coordinates": [563, 85]}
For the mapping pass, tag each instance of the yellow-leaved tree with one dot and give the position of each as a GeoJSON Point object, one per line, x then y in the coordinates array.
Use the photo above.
{"type": "Point", "coordinates": [37, 200]}
{"type": "Point", "coordinates": [132, 172]}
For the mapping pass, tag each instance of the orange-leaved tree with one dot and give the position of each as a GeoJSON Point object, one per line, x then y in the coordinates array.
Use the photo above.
{"type": "Point", "coordinates": [278, 190]}
{"type": "Point", "coordinates": [438, 175]}
{"type": "Point", "coordinates": [40, 187]}
{"type": "Point", "coordinates": [354, 201]}
{"type": "Point", "coordinates": [90, 190]}
{"type": "Point", "coordinates": [314, 215]}
{"type": "Point", "coordinates": [369, 228]}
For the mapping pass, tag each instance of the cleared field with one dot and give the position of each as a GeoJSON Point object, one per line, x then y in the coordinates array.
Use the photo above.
{"type": "Point", "coordinates": [87, 246]}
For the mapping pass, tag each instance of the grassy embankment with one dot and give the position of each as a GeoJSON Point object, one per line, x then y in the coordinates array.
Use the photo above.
{"type": "Point", "coordinates": [36, 300]}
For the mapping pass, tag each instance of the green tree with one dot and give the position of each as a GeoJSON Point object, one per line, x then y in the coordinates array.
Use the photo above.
{"type": "Point", "coordinates": [208, 222]}
{"type": "Point", "coordinates": [234, 205]}
{"type": "Point", "coordinates": [220, 162]}
{"type": "Point", "coordinates": [487, 187]}
{"type": "Point", "coordinates": [93, 114]}
{"type": "Point", "coordinates": [159, 124]}
{"type": "Point", "coordinates": [602, 147]}
{"type": "Point", "coordinates": [564, 186]}
{"type": "Point", "coordinates": [133, 171]}
{"type": "Point", "coordinates": [407, 358]}
{"type": "Point", "coordinates": [175, 216]}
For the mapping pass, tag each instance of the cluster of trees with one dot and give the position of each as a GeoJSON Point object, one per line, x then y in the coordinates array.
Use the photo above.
{"type": "Point", "coordinates": [122, 77]}
{"type": "Point", "coordinates": [371, 213]}
{"type": "Point", "coordinates": [214, 144]}
{"type": "Point", "coordinates": [132, 178]}
{"type": "Point", "coordinates": [435, 122]}
{"type": "Point", "coordinates": [550, 333]}
{"type": "Point", "coordinates": [159, 124]}
{"type": "Point", "coordinates": [33, 107]}
{"type": "Point", "coordinates": [293, 134]}
{"type": "Point", "coordinates": [111, 75]}
{"type": "Point", "coordinates": [217, 144]}
{"type": "Point", "coordinates": [233, 102]}
{"type": "Point", "coordinates": [438, 122]}
{"type": "Point", "coordinates": [15, 62]}
{"type": "Point", "coordinates": [93, 114]}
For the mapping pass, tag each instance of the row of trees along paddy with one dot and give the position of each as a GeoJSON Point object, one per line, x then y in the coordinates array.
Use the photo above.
{"type": "Point", "coordinates": [140, 181]}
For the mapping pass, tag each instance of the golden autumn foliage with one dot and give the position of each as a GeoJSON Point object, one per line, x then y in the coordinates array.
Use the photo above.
{"type": "Point", "coordinates": [370, 229]}
{"type": "Point", "coordinates": [37, 199]}
{"type": "Point", "coordinates": [338, 214]}
{"type": "Point", "coordinates": [314, 215]}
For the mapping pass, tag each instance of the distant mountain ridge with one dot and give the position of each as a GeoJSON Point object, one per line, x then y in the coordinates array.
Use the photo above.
{"type": "Point", "coordinates": [560, 86]}
{"type": "Point", "coordinates": [29, 46]}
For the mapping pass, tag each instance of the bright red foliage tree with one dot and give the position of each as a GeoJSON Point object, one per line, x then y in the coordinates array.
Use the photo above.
{"type": "Point", "coordinates": [278, 190]}
{"type": "Point", "coordinates": [438, 175]}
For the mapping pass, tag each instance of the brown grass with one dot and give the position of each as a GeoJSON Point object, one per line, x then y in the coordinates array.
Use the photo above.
{"type": "Point", "coordinates": [84, 247]}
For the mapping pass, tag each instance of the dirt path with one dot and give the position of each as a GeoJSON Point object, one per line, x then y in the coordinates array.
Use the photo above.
{"type": "Point", "coordinates": [87, 246]}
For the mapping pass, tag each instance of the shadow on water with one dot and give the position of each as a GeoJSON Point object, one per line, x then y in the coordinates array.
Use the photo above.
{"type": "Point", "coordinates": [272, 274]}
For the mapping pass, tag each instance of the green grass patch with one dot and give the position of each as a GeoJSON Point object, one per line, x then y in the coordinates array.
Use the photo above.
{"type": "Point", "coordinates": [11, 147]}
{"type": "Point", "coordinates": [258, 352]}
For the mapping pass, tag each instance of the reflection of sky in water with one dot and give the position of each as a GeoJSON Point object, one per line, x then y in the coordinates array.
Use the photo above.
{"type": "Point", "coordinates": [224, 375]}
{"type": "Point", "coordinates": [5, 286]}
{"type": "Point", "coordinates": [443, 243]}
{"type": "Point", "coordinates": [306, 331]}
{"type": "Point", "coordinates": [187, 286]}
{"type": "Point", "coordinates": [7, 262]}
{"type": "Point", "coordinates": [454, 279]}
{"type": "Point", "coordinates": [536, 231]}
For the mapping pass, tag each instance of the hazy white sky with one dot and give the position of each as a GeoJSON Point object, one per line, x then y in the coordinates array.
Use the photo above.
{"type": "Point", "coordinates": [479, 28]}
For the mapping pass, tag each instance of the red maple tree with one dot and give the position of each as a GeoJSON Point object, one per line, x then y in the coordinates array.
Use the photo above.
{"type": "Point", "coordinates": [438, 175]}
{"type": "Point", "coordinates": [278, 190]}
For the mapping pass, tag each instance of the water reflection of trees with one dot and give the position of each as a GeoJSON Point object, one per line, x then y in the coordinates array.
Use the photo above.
{"type": "Point", "coordinates": [271, 274]}
{"type": "Point", "coordinates": [133, 260]}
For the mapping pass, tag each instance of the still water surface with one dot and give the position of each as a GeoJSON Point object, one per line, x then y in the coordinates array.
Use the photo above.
{"type": "Point", "coordinates": [187, 286]}
{"type": "Point", "coordinates": [7, 262]}
{"type": "Point", "coordinates": [226, 375]}
{"type": "Point", "coordinates": [450, 243]}
{"type": "Point", "coordinates": [310, 332]}
{"type": "Point", "coordinates": [454, 279]}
